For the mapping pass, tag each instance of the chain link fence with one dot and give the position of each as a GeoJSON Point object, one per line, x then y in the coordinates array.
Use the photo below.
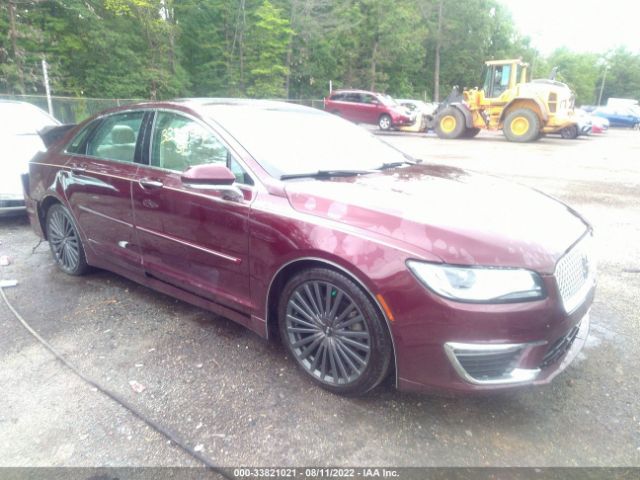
{"type": "Point", "coordinates": [72, 109]}
{"type": "Point", "coordinates": [76, 109]}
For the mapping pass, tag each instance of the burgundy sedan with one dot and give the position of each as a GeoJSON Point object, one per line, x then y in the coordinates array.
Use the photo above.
{"type": "Point", "coordinates": [298, 224]}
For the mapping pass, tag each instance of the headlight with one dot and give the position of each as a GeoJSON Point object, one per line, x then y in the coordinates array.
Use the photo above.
{"type": "Point", "coordinates": [483, 285]}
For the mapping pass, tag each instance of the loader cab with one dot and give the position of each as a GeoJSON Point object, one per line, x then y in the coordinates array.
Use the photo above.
{"type": "Point", "coordinates": [503, 75]}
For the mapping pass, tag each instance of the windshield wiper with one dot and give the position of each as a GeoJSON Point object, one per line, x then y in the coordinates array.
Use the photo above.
{"type": "Point", "coordinates": [326, 174]}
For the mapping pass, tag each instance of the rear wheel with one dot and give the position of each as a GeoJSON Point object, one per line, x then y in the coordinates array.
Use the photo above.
{"type": "Point", "coordinates": [521, 125]}
{"type": "Point", "coordinates": [384, 122]}
{"type": "Point", "coordinates": [64, 241]}
{"type": "Point", "coordinates": [569, 132]}
{"type": "Point", "coordinates": [450, 123]}
{"type": "Point", "coordinates": [334, 331]}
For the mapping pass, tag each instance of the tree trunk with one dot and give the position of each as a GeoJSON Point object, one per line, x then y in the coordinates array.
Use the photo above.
{"type": "Point", "coordinates": [171, 21]}
{"type": "Point", "coordinates": [292, 19]}
{"type": "Point", "coordinates": [374, 54]}
{"type": "Point", "coordinates": [436, 69]}
{"type": "Point", "coordinates": [241, 45]}
{"type": "Point", "coordinates": [13, 34]}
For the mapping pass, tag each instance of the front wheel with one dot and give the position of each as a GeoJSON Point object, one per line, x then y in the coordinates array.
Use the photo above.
{"type": "Point", "coordinates": [384, 122]}
{"type": "Point", "coordinates": [450, 123]}
{"type": "Point", "coordinates": [334, 331]}
{"type": "Point", "coordinates": [64, 241]}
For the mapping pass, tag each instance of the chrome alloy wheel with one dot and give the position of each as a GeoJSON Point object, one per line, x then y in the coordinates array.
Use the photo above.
{"type": "Point", "coordinates": [64, 241]}
{"type": "Point", "coordinates": [327, 333]}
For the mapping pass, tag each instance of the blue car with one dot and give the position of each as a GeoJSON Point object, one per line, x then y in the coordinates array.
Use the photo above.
{"type": "Point", "coordinates": [622, 116]}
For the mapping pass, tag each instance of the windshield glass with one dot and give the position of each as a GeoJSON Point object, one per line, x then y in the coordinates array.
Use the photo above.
{"type": "Point", "coordinates": [294, 141]}
{"type": "Point", "coordinates": [20, 119]}
{"type": "Point", "coordinates": [388, 100]}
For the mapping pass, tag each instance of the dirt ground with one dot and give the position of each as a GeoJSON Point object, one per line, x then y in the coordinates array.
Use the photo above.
{"type": "Point", "coordinates": [240, 401]}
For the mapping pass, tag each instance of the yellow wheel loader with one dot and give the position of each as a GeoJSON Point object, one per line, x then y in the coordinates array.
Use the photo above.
{"type": "Point", "coordinates": [523, 110]}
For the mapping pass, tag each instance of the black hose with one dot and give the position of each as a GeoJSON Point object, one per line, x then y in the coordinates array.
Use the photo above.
{"type": "Point", "coordinates": [169, 434]}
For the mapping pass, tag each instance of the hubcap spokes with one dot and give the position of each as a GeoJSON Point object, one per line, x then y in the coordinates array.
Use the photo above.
{"type": "Point", "coordinates": [328, 333]}
{"type": "Point", "coordinates": [64, 241]}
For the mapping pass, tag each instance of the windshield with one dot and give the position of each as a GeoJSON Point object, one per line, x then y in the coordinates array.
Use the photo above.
{"type": "Point", "coordinates": [296, 141]}
{"type": "Point", "coordinates": [388, 100]}
{"type": "Point", "coordinates": [21, 119]}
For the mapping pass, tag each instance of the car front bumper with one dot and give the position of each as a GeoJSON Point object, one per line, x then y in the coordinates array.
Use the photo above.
{"type": "Point", "coordinates": [442, 345]}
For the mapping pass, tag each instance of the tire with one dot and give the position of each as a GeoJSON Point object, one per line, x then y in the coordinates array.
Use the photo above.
{"type": "Point", "coordinates": [471, 132]}
{"type": "Point", "coordinates": [521, 125]}
{"type": "Point", "coordinates": [384, 122]}
{"type": "Point", "coordinates": [349, 360]}
{"type": "Point", "coordinates": [65, 242]}
{"type": "Point", "coordinates": [570, 132]}
{"type": "Point", "coordinates": [450, 123]}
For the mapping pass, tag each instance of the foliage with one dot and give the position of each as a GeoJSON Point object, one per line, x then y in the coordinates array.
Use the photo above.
{"type": "Point", "coordinates": [278, 48]}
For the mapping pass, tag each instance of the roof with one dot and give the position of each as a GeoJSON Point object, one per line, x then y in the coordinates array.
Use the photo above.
{"type": "Point", "coordinates": [355, 90]}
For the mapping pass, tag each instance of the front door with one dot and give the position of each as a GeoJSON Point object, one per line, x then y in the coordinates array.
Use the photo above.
{"type": "Point", "coordinates": [193, 238]}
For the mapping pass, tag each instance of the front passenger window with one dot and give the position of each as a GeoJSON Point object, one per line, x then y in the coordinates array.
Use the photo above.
{"type": "Point", "coordinates": [180, 143]}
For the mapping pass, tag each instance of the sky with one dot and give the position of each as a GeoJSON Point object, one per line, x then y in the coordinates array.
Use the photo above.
{"type": "Point", "coordinates": [580, 25]}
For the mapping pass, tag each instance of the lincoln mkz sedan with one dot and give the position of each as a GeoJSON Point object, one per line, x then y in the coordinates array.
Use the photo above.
{"type": "Point", "coordinates": [300, 225]}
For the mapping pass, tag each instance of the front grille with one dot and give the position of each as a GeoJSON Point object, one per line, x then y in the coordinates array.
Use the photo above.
{"type": "Point", "coordinates": [575, 273]}
{"type": "Point", "coordinates": [485, 365]}
{"type": "Point", "coordinates": [559, 347]}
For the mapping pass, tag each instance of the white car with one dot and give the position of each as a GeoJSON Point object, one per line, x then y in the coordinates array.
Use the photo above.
{"type": "Point", "coordinates": [424, 111]}
{"type": "Point", "coordinates": [19, 140]}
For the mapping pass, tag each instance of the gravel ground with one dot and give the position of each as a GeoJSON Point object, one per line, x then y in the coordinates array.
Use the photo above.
{"type": "Point", "coordinates": [240, 401]}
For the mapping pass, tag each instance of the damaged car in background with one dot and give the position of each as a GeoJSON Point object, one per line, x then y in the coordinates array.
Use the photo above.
{"type": "Point", "coordinates": [300, 225]}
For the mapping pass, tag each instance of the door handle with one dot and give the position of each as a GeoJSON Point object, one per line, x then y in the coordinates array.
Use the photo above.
{"type": "Point", "coordinates": [78, 170]}
{"type": "Point", "coordinates": [150, 184]}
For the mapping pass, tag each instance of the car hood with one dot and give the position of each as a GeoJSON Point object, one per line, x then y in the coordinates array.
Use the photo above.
{"type": "Point", "coordinates": [458, 217]}
{"type": "Point", "coordinates": [17, 151]}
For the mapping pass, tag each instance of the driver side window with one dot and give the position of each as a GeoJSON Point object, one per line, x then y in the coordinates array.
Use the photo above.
{"type": "Point", "coordinates": [180, 143]}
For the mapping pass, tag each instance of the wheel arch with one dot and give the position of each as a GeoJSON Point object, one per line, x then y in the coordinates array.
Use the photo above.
{"type": "Point", "coordinates": [290, 268]}
{"type": "Point", "coordinates": [43, 207]}
{"type": "Point", "coordinates": [468, 119]}
{"type": "Point", "coordinates": [526, 102]}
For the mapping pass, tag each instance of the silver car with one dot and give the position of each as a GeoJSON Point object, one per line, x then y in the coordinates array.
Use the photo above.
{"type": "Point", "coordinates": [19, 141]}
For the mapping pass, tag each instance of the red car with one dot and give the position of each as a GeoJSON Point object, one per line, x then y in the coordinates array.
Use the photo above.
{"type": "Point", "coordinates": [368, 107]}
{"type": "Point", "coordinates": [298, 224]}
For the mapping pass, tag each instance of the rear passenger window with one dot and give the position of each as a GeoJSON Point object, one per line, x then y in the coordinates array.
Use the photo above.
{"type": "Point", "coordinates": [116, 137]}
{"type": "Point", "coordinates": [77, 144]}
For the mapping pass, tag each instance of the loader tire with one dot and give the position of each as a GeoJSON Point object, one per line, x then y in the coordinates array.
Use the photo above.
{"type": "Point", "coordinates": [450, 123]}
{"type": "Point", "coordinates": [521, 125]}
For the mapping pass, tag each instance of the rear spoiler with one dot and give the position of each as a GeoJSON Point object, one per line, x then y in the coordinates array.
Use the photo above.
{"type": "Point", "coordinates": [54, 133]}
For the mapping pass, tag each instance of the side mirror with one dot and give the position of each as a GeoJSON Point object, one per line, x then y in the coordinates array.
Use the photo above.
{"type": "Point", "coordinates": [208, 175]}
{"type": "Point", "coordinates": [213, 177]}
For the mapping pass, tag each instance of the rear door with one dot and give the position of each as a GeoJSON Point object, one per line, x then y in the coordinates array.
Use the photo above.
{"type": "Point", "coordinates": [194, 238]}
{"type": "Point", "coordinates": [102, 167]}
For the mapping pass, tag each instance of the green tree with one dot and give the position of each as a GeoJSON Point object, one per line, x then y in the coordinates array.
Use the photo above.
{"type": "Point", "coordinates": [267, 44]}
